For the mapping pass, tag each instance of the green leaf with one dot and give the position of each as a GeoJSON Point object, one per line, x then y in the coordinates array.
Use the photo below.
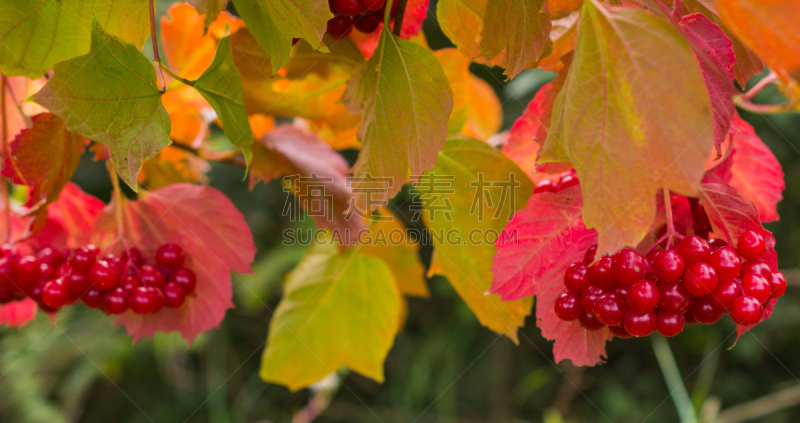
{"type": "Point", "coordinates": [337, 310]}
{"type": "Point", "coordinates": [274, 23]}
{"type": "Point", "coordinates": [633, 117]}
{"type": "Point", "coordinates": [405, 101]}
{"type": "Point", "coordinates": [221, 85]}
{"type": "Point", "coordinates": [36, 34]}
{"type": "Point", "coordinates": [111, 96]}
{"type": "Point", "coordinates": [521, 28]}
{"type": "Point", "coordinates": [475, 201]}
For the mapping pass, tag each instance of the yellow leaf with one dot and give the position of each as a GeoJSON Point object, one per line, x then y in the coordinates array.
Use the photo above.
{"type": "Point", "coordinates": [401, 257]}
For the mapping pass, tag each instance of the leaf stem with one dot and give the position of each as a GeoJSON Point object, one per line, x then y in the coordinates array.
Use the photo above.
{"type": "Point", "coordinates": [398, 20]}
{"type": "Point", "coordinates": [672, 376]}
{"type": "Point", "coordinates": [154, 39]}
{"type": "Point", "coordinates": [3, 179]}
{"type": "Point", "coordinates": [174, 75]}
{"type": "Point", "coordinates": [760, 85]}
{"type": "Point", "coordinates": [118, 199]}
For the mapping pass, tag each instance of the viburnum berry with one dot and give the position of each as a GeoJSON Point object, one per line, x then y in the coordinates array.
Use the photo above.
{"type": "Point", "coordinates": [777, 284]}
{"type": "Point", "coordinates": [643, 296]}
{"type": "Point", "coordinates": [620, 332]}
{"type": "Point", "coordinates": [141, 301]}
{"type": "Point", "coordinates": [600, 272]}
{"type": "Point", "coordinates": [115, 301]}
{"type": "Point", "coordinates": [576, 277]}
{"type": "Point", "coordinates": [568, 306]}
{"type": "Point", "coordinates": [689, 319]}
{"type": "Point", "coordinates": [151, 276]}
{"type": "Point", "coordinates": [83, 260]}
{"type": "Point", "coordinates": [77, 282]}
{"type": "Point", "coordinates": [47, 271]}
{"type": "Point", "coordinates": [716, 244]}
{"type": "Point", "coordinates": [726, 262]}
{"type": "Point", "coordinates": [93, 298]}
{"type": "Point", "coordinates": [746, 311]}
{"type": "Point", "coordinates": [622, 290]}
{"type": "Point", "coordinates": [640, 323]}
{"type": "Point", "coordinates": [349, 7]}
{"type": "Point", "coordinates": [158, 298]}
{"type": "Point", "coordinates": [757, 267]}
{"type": "Point", "coordinates": [756, 286]}
{"type": "Point", "coordinates": [374, 5]}
{"type": "Point", "coordinates": [705, 312]}
{"type": "Point", "coordinates": [368, 24]}
{"type": "Point", "coordinates": [725, 293]}
{"type": "Point", "coordinates": [339, 27]}
{"type": "Point", "coordinates": [7, 296]}
{"type": "Point", "coordinates": [693, 249]}
{"type": "Point", "coordinates": [185, 278]}
{"type": "Point", "coordinates": [8, 273]}
{"type": "Point", "coordinates": [589, 297]}
{"type": "Point", "coordinates": [28, 270]}
{"type": "Point", "coordinates": [669, 324]}
{"type": "Point", "coordinates": [610, 309]}
{"type": "Point", "coordinates": [700, 279]}
{"type": "Point", "coordinates": [55, 294]}
{"type": "Point", "coordinates": [170, 256]}
{"type": "Point", "coordinates": [545, 185]}
{"type": "Point", "coordinates": [751, 245]}
{"type": "Point", "coordinates": [34, 291]}
{"type": "Point", "coordinates": [102, 276]}
{"type": "Point", "coordinates": [628, 266]}
{"type": "Point", "coordinates": [174, 297]}
{"type": "Point", "coordinates": [669, 266]}
{"type": "Point", "coordinates": [588, 257]}
{"type": "Point", "coordinates": [567, 180]}
{"type": "Point", "coordinates": [673, 297]}
{"type": "Point", "coordinates": [50, 256]}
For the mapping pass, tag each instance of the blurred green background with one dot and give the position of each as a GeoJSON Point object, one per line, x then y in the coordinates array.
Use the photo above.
{"type": "Point", "coordinates": [444, 367]}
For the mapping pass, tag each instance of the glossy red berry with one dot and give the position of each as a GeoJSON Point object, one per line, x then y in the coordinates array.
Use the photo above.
{"type": "Point", "coordinates": [374, 5]}
{"type": "Point", "coordinates": [600, 272]}
{"type": "Point", "coordinates": [339, 27]}
{"type": "Point", "coordinates": [705, 312]}
{"type": "Point", "coordinates": [620, 332]}
{"type": "Point", "coordinates": [186, 279]}
{"type": "Point", "coordinates": [640, 323]}
{"type": "Point", "coordinates": [77, 282]}
{"type": "Point", "coordinates": [756, 286]}
{"type": "Point", "coordinates": [134, 255]}
{"type": "Point", "coordinates": [757, 267]}
{"type": "Point", "coordinates": [669, 266]}
{"type": "Point", "coordinates": [368, 24]}
{"type": "Point", "coordinates": [716, 244]}
{"type": "Point", "coordinates": [8, 273]}
{"type": "Point", "coordinates": [28, 270]}
{"type": "Point", "coordinates": [151, 276]}
{"type": "Point", "coordinates": [588, 257]}
{"type": "Point", "coordinates": [129, 283]}
{"type": "Point", "coordinates": [47, 271]}
{"type": "Point", "coordinates": [628, 266]}
{"type": "Point", "coordinates": [642, 296]}
{"type": "Point", "coordinates": [610, 309]}
{"type": "Point", "coordinates": [693, 249]}
{"type": "Point", "coordinates": [589, 297]}
{"type": "Point", "coordinates": [55, 294]}
{"type": "Point", "coordinates": [50, 256]}
{"type": "Point", "coordinates": [725, 293]}
{"type": "Point", "coordinates": [576, 277]}
{"type": "Point", "coordinates": [140, 301]}
{"type": "Point", "coordinates": [746, 311]}
{"type": "Point", "coordinates": [751, 245]}
{"type": "Point", "coordinates": [587, 321]}
{"type": "Point", "coordinates": [170, 256]}
{"type": "Point", "coordinates": [726, 262]}
{"type": "Point", "coordinates": [700, 279]}
{"type": "Point", "coordinates": [777, 285]}
{"type": "Point", "coordinates": [83, 260]}
{"type": "Point", "coordinates": [103, 276]}
{"type": "Point", "coordinates": [158, 298]}
{"type": "Point", "coordinates": [115, 301]}
{"type": "Point", "coordinates": [34, 291]}
{"type": "Point", "coordinates": [545, 185]}
{"type": "Point", "coordinates": [673, 297]}
{"type": "Point", "coordinates": [622, 290]}
{"type": "Point", "coordinates": [669, 324]}
{"type": "Point", "coordinates": [568, 306]}
{"type": "Point", "coordinates": [350, 7]}
{"type": "Point", "coordinates": [175, 297]}
{"type": "Point", "coordinates": [567, 180]}
{"type": "Point", "coordinates": [93, 298]}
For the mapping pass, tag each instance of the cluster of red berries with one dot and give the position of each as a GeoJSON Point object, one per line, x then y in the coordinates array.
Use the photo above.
{"type": "Point", "coordinates": [566, 180]}
{"type": "Point", "coordinates": [365, 15]}
{"type": "Point", "coordinates": [696, 282]}
{"type": "Point", "coordinates": [112, 283]}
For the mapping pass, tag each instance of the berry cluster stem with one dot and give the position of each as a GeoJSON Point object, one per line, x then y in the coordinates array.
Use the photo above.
{"type": "Point", "coordinates": [3, 179]}
{"type": "Point", "coordinates": [670, 221]}
{"type": "Point", "coordinates": [401, 11]}
{"type": "Point", "coordinates": [118, 199]}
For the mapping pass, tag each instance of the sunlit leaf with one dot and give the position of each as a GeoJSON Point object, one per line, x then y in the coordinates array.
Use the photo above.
{"type": "Point", "coordinates": [520, 28]}
{"type": "Point", "coordinates": [210, 8]}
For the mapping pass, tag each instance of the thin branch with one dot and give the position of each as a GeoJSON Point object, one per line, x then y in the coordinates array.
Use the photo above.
{"type": "Point", "coordinates": [118, 199]}
{"type": "Point", "coordinates": [398, 20]}
{"type": "Point", "coordinates": [3, 179]}
{"type": "Point", "coordinates": [154, 39]}
{"type": "Point", "coordinates": [760, 85]}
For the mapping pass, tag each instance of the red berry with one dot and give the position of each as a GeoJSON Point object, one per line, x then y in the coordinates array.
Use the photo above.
{"type": "Point", "coordinates": [610, 309]}
{"type": "Point", "coordinates": [568, 306]}
{"type": "Point", "coordinates": [92, 249]}
{"type": "Point", "coordinates": [134, 255]}
{"type": "Point", "coordinates": [588, 257]}
{"type": "Point", "coordinates": [716, 244]}
{"type": "Point", "coordinates": [7, 250]}
{"type": "Point", "coordinates": [115, 301]}
{"type": "Point", "coordinates": [55, 294]}
{"type": "Point", "coordinates": [746, 311]}
{"type": "Point", "coordinates": [170, 256]}
{"type": "Point", "coordinates": [28, 270]}
{"type": "Point", "coordinates": [589, 296]}
{"type": "Point", "coordinates": [567, 180]}
{"type": "Point", "coordinates": [6, 296]}
{"type": "Point", "coordinates": [151, 276]}
{"type": "Point", "coordinates": [725, 293]}
{"type": "Point", "coordinates": [339, 27]}
{"type": "Point", "coordinates": [777, 285]}
{"type": "Point", "coordinates": [103, 276]}
{"type": "Point", "coordinates": [129, 283]}
{"type": "Point", "coordinates": [374, 5]}
{"type": "Point", "coordinates": [34, 291]}
{"type": "Point", "coordinates": [368, 24]}
{"type": "Point", "coordinates": [705, 312]}
{"type": "Point", "coordinates": [46, 308]}
{"type": "Point", "coordinates": [669, 324]}
{"type": "Point", "coordinates": [158, 298]}
{"type": "Point", "coordinates": [50, 256]}
{"type": "Point", "coordinates": [726, 262]}
{"type": "Point", "coordinates": [622, 290]}
{"type": "Point", "coordinates": [83, 259]}
{"type": "Point", "coordinates": [349, 7]}
{"type": "Point", "coordinates": [545, 185]}
{"type": "Point", "coordinates": [620, 332]}
{"type": "Point", "coordinates": [589, 322]}
{"type": "Point", "coordinates": [757, 267]}
{"type": "Point", "coordinates": [628, 266]}
{"type": "Point", "coordinates": [140, 301]}
{"type": "Point", "coordinates": [673, 297]}
{"type": "Point", "coordinates": [47, 271]}
{"type": "Point", "coordinates": [77, 282]}
{"type": "Point", "coordinates": [576, 277]}
{"type": "Point", "coordinates": [185, 278]}
{"type": "Point", "coordinates": [175, 297]}
{"type": "Point", "coordinates": [756, 286]}
{"type": "Point", "coordinates": [8, 273]}
{"type": "Point", "coordinates": [751, 245]}
{"type": "Point", "coordinates": [693, 249]}
{"type": "Point", "coordinates": [669, 266]}
{"type": "Point", "coordinates": [332, 7]}
{"type": "Point", "coordinates": [600, 272]}
{"type": "Point", "coordinates": [640, 323]}
{"type": "Point", "coordinates": [642, 296]}
{"type": "Point", "coordinates": [93, 298]}
{"type": "Point", "coordinates": [700, 279]}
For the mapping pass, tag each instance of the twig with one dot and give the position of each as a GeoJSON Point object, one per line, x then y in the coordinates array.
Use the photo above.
{"type": "Point", "coordinates": [760, 85]}
{"type": "Point", "coordinates": [118, 199]}
{"type": "Point", "coordinates": [672, 376]}
{"type": "Point", "coordinates": [3, 179]}
{"type": "Point", "coordinates": [398, 20]}
{"type": "Point", "coordinates": [760, 407]}
{"type": "Point", "coordinates": [154, 39]}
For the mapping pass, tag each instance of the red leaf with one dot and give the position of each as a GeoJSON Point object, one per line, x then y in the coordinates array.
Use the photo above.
{"type": "Point", "coordinates": [550, 235]}
{"type": "Point", "coordinates": [17, 313]}
{"type": "Point", "coordinates": [215, 237]}
{"type": "Point", "coordinates": [69, 221]}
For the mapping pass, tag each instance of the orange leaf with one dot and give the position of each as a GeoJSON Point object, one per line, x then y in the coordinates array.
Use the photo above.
{"type": "Point", "coordinates": [187, 112]}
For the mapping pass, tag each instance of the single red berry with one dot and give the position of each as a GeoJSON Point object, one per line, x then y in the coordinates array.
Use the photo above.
{"type": "Point", "coordinates": [158, 298]}
{"type": "Point", "coordinates": [129, 283]}
{"type": "Point", "coordinates": [757, 267]}
{"type": "Point", "coordinates": [34, 291]}
{"type": "Point", "coordinates": [726, 262]}
{"type": "Point", "coordinates": [751, 245]}
{"type": "Point", "coordinates": [92, 249]}
{"type": "Point", "coordinates": [746, 311]}
{"type": "Point", "coordinates": [568, 306]}
{"type": "Point", "coordinates": [673, 297]}
{"type": "Point", "coordinates": [83, 260]}
{"type": "Point", "coordinates": [50, 256]}
{"type": "Point", "coordinates": [64, 269]}
{"type": "Point", "coordinates": [640, 323]}
{"type": "Point", "coordinates": [716, 244]}
{"type": "Point", "coordinates": [600, 272]}
{"type": "Point", "coordinates": [669, 266]}
{"type": "Point", "coordinates": [77, 282]}
{"type": "Point", "coordinates": [185, 278]}
{"type": "Point", "coordinates": [47, 271]}
{"type": "Point", "coordinates": [8, 273]}
{"type": "Point", "coordinates": [374, 5]}
{"type": "Point", "coordinates": [339, 27]}
{"type": "Point", "coordinates": [756, 286]}
{"type": "Point", "coordinates": [576, 277]}
{"type": "Point", "coordinates": [368, 24]}
{"type": "Point", "coordinates": [115, 301]}
{"type": "Point", "coordinates": [622, 290]}
{"type": "Point", "coordinates": [103, 276]}
{"type": "Point", "coordinates": [620, 332]}
{"type": "Point", "coordinates": [55, 294]}
{"type": "Point", "coordinates": [175, 297]}
{"type": "Point", "coordinates": [93, 298]}
{"type": "Point", "coordinates": [642, 296]}
{"type": "Point", "coordinates": [151, 276]}
{"type": "Point", "coordinates": [725, 293]}
{"type": "Point", "coordinates": [669, 324]}
{"type": "Point", "coordinates": [590, 322]}
{"type": "Point", "coordinates": [700, 279]}
{"type": "Point", "coordinates": [589, 297]}
{"type": "Point", "coordinates": [693, 249]}
{"type": "Point", "coordinates": [610, 309]}
{"type": "Point", "coordinates": [170, 256]}
{"type": "Point", "coordinates": [777, 285]}
{"type": "Point", "coordinates": [28, 270]}
{"type": "Point", "coordinates": [332, 7]}
{"type": "Point", "coordinates": [350, 7]}
{"type": "Point", "coordinates": [628, 266]}
{"type": "Point", "coordinates": [6, 296]}
{"type": "Point", "coordinates": [140, 301]}
{"type": "Point", "coordinates": [7, 250]}
{"type": "Point", "coordinates": [567, 180]}
{"type": "Point", "coordinates": [705, 312]}
{"type": "Point", "coordinates": [545, 185]}
{"type": "Point", "coordinates": [588, 257]}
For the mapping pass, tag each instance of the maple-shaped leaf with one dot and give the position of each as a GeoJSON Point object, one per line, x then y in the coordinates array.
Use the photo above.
{"type": "Point", "coordinates": [111, 96]}
{"type": "Point", "coordinates": [274, 23]}
{"type": "Point", "coordinates": [768, 28]}
{"type": "Point", "coordinates": [36, 34]}
{"type": "Point", "coordinates": [526, 134]}
{"type": "Point", "coordinates": [69, 221]}
{"type": "Point", "coordinates": [536, 247]}
{"type": "Point", "coordinates": [520, 29]}
{"type": "Point", "coordinates": [614, 120]}
{"type": "Point", "coordinates": [210, 8]}
{"type": "Point", "coordinates": [43, 157]}
{"type": "Point", "coordinates": [405, 101]}
{"type": "Point", "coordinates": [317, 176]}
{"type": "Point", "coordinates": [563, 34]}
{"type": "Point", "coordinates": [402, 258]}
{"type": "Point", "coordinates": [753, 170]}
{"type": "Point", "coordinates": [474, 189]}
{"type": "Point", "coordinates": [221, 86]}
{"type": "Point", "coordinates": [17, 314]}
{"type": "Point", "coordinates": [337, 310]}
{"type": "Point", "coordinates": [214, 236]}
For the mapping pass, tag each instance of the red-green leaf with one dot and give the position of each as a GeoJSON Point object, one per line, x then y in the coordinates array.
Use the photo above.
{"type": "Point", "coordinates": [69, 221]}
{"type": "Point", "coordinates": [520, 28]}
